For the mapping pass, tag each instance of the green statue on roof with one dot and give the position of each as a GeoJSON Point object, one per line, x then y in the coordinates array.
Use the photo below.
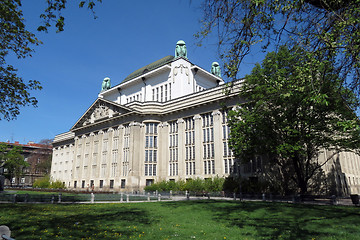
{"type": "Point", "coordinates": [215, 69]}
{"type": "Point", "coordinates": [105, 84]}
{"type": "Point", "coordinates": [180, 50]}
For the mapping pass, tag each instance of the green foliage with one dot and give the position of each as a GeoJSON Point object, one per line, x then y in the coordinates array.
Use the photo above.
{"type": "Point", "coordinates": [53, 13]}
{"type": "Point", "coordinates": [45, 182]}
{"type": "Point", "coordinates": [326, 27]}
{"type": "Point", "coordinates": [17, 40]}
{"type": "Point", "coordinates": [57, 184]}
{"type": "Point", "coordinates": [45, 165]}
{"type": "Point", "coordinates": [12, 160]}
{"type": "Point", "coordinates": [193, 185]}
{"type": "Point", "coordinates": [296, 107]}
{"type": "Point", "coordinates": [249, 185]}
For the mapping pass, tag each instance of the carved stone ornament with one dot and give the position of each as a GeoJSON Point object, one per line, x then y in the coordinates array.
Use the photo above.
{"type": "Point", "coordinates": [101, 111]}
{"type": "Point", "coordinates": [183, 70]}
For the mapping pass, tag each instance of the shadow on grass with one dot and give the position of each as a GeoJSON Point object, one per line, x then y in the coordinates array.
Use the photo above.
{"type": "Point", "coordinates": [267, 220]}
{"type": "Point", "coordinates": [69, 222]}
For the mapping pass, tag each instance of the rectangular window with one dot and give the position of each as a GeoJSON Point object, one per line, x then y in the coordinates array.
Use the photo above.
{"type": "Point", "coordinates": [151, 145]}
{"type": "Point", "coordinates": [212, 151]}
{"type": "Point", "coordinates": [173, 147]}
{"type": "Point", "coordinates": [151, 141]}
{"type": "Point", "coordinates": [161, 94]}
{"type": "Point", "coordinates": [122, 183]}
{"type": "Point", "coordinates": [227, 155]}
{"type": "Point", "coordinates": [149, 182]}
{"type": "Point", "coordinates": [154, 170]}
{"type": "Point", "coordinates": [111, 183]}
{"type": "Point", "coordinates": [101, 184]}
{"type": "Point", "coordinates": [147, 141]}
{"type": "Point", "coordinates": [150, 155]}
{"type": "Point", "coordinates": [150, 169]}
{"type": "Point", "coordinates": [169, 91]}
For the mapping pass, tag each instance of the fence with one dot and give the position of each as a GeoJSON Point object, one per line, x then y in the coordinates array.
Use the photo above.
{"type": "Point", "coordinates": [158, 196]}
{"type": "Point", "coordinates": [77, 198]}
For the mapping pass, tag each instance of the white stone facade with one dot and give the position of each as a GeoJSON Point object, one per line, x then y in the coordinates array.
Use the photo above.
{"type": "Point", "coordinates": [165, 122]}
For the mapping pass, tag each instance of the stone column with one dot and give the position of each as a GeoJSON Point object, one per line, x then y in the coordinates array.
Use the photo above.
{"type": "Point", "coordinates": [163, 151]}
{"type": "Point", "coordinates": [136, 154]}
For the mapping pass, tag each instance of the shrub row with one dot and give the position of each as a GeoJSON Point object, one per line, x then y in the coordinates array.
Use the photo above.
{"type": "Point", "coordinates": [193, 185]}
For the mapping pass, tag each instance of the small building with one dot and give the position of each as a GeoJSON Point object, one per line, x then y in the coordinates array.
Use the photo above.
{"type": "Point", "coordinates": [38, 156]}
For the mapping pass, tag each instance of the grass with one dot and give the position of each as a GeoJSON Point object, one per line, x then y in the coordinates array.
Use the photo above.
{"type": "Point", "coordinates": [181, 220]}
{"type": "Point", "coordinates": [46, 197]}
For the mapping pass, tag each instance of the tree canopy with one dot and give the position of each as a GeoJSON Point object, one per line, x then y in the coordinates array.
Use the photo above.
{"type": "Point", "coordinates": [296, 107]}
{"type": "Point", "coordinates": [17, 40]}
{"type": "Point", "coordinates": [329, 28]}
{"type": "Point", "coordinates": [12, 161]}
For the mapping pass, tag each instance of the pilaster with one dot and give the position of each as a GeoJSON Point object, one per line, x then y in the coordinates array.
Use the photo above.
{"type": "Point", "coordinates": [218, 143]}
{"type": "Point", "coordinates": [199, 169]}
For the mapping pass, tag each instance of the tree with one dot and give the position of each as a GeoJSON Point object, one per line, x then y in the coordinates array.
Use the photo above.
{"type": "Point", "coordinates": [14, 90]}
{"type": "Point", "coordinates": [295, 108]}
{"type": "Point", "coordinates": [327, 27]}
{"type": "Point", "coordinates": [12, 161]}
{"type": "Point", "coordinates": [46, 141]}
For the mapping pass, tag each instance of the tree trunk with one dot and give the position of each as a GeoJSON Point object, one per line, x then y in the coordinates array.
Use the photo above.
{"type": "Point", "coordinates": [303, 186]}
{"type": "Point", "coordinates": [301, 181]}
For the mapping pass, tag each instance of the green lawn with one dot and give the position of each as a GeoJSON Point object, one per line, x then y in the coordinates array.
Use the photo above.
{"type": "Point", "coordinates": [181, 220]}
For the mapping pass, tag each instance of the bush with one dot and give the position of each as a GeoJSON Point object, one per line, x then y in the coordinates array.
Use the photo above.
{"type": "Point", "coordinates": [57, 185]}
{"type": "Point", "coordinates": [248, 185]}
{"type": "Point", "coordinates": [215, 184]}
{"type": "Point", "coordinates": [42, 182]}
{"type": "Point", "coordinates": [192, 185]}
{"type": "Point", "coordinates": [46, 183]}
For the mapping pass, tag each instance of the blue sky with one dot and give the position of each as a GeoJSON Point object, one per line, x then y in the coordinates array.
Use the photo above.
{"type": "Point", "coordinates": [71, 65]}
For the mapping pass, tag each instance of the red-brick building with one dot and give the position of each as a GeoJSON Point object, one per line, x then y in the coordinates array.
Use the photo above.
{"type": "Point", "coordinates": [39, 158]}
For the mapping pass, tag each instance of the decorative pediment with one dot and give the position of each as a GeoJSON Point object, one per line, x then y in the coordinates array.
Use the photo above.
{"type": "Point", "coordinates": [99, 111]}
